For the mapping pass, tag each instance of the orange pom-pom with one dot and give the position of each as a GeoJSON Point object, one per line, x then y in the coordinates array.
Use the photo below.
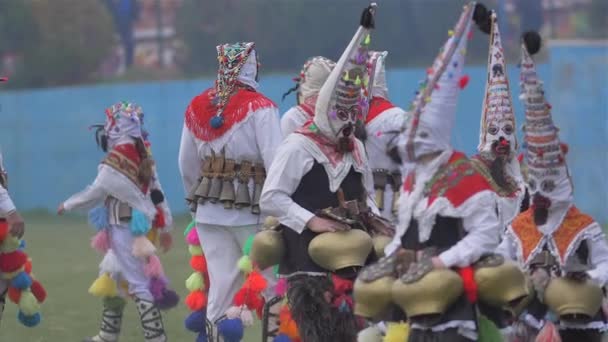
{"type": "Point", "coordinates": [38, 291]}
{"type": "Point", "coordinates": [196, 300]}
{"type": "Point", "coordinates": [28, 266]}
{"type": "Point", "coordinates": [199, 263]}
{"type": "Point", "coordinates": [3, 230]}
{"type": "Point", "coordinates": [11, 262]}
{"type": "Point", "coordinates": [256, 282]}
{"type": "Point", "coordinates": [14, 294]}
{"type": "Point", "coordinates": [287, 325]}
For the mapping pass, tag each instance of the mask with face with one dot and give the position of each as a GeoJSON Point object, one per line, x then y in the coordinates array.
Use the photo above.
{"type": "Point", "coordinates": [123, 121]}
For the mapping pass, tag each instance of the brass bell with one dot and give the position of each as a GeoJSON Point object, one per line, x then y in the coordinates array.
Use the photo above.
{"type": "Point", "coordinates": [243, 199]}
{"type": "Point", "coordinates": [395, 208]}
{"type": "Point", "coordinates": [257, 193]}
{"type": "Point", "coordinates": [191, 196]}
{"type": "Point", "coordinates": [380, 199]}
{"type": "Point", "coordinates": [124, 211]}
{"type": "Point", "coordinates": [380, 180]}
{"type": "Point", "coordinates": [202, 190]}
{"type": "Point", "coordinates": [215, 190]}
{"type": "Point", "coordinates": [227, 196]}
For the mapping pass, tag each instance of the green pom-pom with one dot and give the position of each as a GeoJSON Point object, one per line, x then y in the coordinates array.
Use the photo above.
{"type": "Point", "coordinates": [10, 244]}
{"type": "Point", "coordinates": [195, 250]}
{"type": "Point", "coordinates": [488, 332]}
{"type": "Point", "coordinates": [189, 228]}
{"type": "Point", "coordinates": [114, 303]}
{"type": "Point", "coordinates": [28, 304]}
{"type": "Point", "coordinates": [245, 264]}
{"type": "Point", "coordinates": [248, 244]}
{"type": "Point", "coordinates": [275, 270]}
{"type": "Point", "coordinates": [195, 282]}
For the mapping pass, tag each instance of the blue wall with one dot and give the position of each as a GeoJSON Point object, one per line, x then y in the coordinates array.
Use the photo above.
{"type": "Point", "coordinates": [50, 153]}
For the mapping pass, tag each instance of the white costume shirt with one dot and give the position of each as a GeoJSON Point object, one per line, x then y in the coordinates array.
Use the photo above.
{"type": "Point", "coordinates": [292, 162]}
{"type": "Point", "coordinates": [254, 139]}
{"type": "Point", "coordinates": [293, 119]}
{"type": "Point", "coordinates": [381, 132]}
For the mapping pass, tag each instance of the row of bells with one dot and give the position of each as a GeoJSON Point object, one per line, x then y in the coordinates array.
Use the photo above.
{"type": "Point", "coordinates": [381, 180]}
{"type": "Point", "coordinates": [504, 286]}
{"type": "Point", "coordinates": [216, 189]}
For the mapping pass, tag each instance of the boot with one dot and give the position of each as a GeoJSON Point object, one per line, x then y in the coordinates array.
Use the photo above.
{"type": "Point", "coordinates": [111, 321]}
{"type": "Point", "coordinates": [151, 321]}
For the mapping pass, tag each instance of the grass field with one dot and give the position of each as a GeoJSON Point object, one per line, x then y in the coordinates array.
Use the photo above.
{"type": "Point", "coordinates": [66, 266]}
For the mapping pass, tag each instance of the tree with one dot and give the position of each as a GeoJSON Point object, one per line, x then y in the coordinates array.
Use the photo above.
{"type": "Point", "coordinates": [74, 37]}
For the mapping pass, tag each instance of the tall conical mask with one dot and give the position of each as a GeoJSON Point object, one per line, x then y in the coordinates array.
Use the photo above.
{"type": "Point", "coordinates": [341, 103]}
{"type": "Point", "coordinates": [497, 129]}
{"type": "Point", "coordinates": [377, 71]}
{"type": "Point", "coordinates": [433, 110]}
{"type": "Point", "coordinates": [548, 173]}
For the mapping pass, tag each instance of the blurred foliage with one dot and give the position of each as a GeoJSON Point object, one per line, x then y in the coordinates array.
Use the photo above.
{"type": "Point", "coordinates": [59, 42]}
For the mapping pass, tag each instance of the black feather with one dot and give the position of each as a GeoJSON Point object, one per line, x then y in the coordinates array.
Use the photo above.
{"type": "Point", "coordinates": [309, 309]}
{"type": "Point", "coordinates": [482, 17]}
{"type": "Point", "coordinates": [157, 196]}
{"type": "Point", "coordinates": [367, 17]}
{"type": "Point", "coordinates": [291, 90]}
{"type": "Point", "coordinates": [532, 41]}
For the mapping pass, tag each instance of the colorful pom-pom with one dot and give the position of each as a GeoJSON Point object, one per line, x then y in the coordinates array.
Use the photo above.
{"type": "Point", "coordinates": [159, 219]}
{"type": "Point", "coordinates": [157, 287]}
{"type": "Point", "coordinates": [142, 247]}
{"type": "Point", "coordinates": [199, 263]}
{"type": "Point", "coordinates": [256, 282]}
{"type": "Point", "coordinates": [248, 245]}
{"type": "Point", "coordinates": [195, 250]}
{"type": "Point", "coordinates": [282, 338]}
{"type": "Point", "coordinates": [487, 330]}
{"type": "Point", "coordinates": [397, 332]}
{"type": "Point", "coordinates": [10, 244]}
{"type": "Point", "coordinates": [192, 238]}
{"type": "Point", "coordinates": [101, 241]}
{"type": "Point", "coordinates": [28, 304]}
{"type": "Point", "coordinates": [98, 218]}
{"type": "Point", "coordinates": [104, 286]}
{"type": "Point", "coordinates": [168, 300]}
{"type": "Point", "coordinates": [29, 321]}
{"type": "Point", "coordinates": [246, 317]}
{"type": "Point", "coordinates": [234, 311]}
{"type": "Point", "coordinates": [281, 287]}
{"type": "Point", "coordinates": [469, 284]}
{"type": "Point", "coordinates": [140, 225]}
{"type": "Point", "coordinates": [21, 281]}
{"type": "Point", "coordinates": [14, 294]}
{"type": "Point", "coordinates": [217, 121]}
{"type": "Point", "coordinates": [202, 336]}
{"type": "Point", "coordinates": [153, 267]}
{"type": "Point", "coordinates": [22, 244]}
{"type": "Point", "coordinates": [195, 282]}
{"type": "Point", "coordinates": [287, 326]}
{"type": "Point", "coordinates": [11, 262]}
{"type": "Point", "coordinates": [109, 264]}
{"type": "Point", "coordinates": [196, 321]}
{"type": "Point", "coordinates": [3, 230]}
{"type": "Point", "coordinates": [189, 228]}
{"type": "Point", "coordinates": [196, 300]}
{"type": "Point", "coordinates": [38, 291]}
{"type": "Point", "coordinates": [245, 264]}
{"type": "Point", "coordinates": [231, 330]}
{"type": "Point", "coordinates": [463, 81]}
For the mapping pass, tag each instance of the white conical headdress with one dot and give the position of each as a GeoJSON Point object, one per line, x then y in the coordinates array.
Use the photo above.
{"type": "Point", "coordinates": [377, 71]}
{"type": "Point", "coordinates": [434, 108]}
{"type": "Point", "coordinates": [545, 155]}
{"type": "Point", "coordinates": [497, 117]}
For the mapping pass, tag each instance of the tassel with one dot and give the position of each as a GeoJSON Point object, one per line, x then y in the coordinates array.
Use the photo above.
{"type": "Point", "coordinates": [157, 287]}
{"type": "Point", "coordinates": [10, 244]}
{"type": "Point", "coordinates": [12, 262]}
{"type": "Point", "coordinates": [109, 264]}
{"type": "Point", "coordinates": [101, 241]}
{"type": "Point", "coordinates": [196, 300]}
{"type": "Point", "coordinates": [234, 312]}
{"type": "Point", "coordinates": [28, 266]}
{"type": "Point", "coordinates": [38, 291]}
{"type": "Point", "coordinates": [3, 231]}
{"type": "Point", "coordinates": [169, 300]}
{"type": "Point", "coordinates": [199, 263]}
{"type": "Point", "coordinates": [487, 330]}
{"type": "Point", "coordinates": [245, 265]}
{"type": "Point", "coordinates": [231, 330]}
{"type": "Point", "coordinates": [153, 236]}
{"type": "Point", "coordinates": [21, 281]}
{"type": "Point", "coordinates": [282, 338]}
{"type": "Point", "coordinates": [196, 321]}
{"type": "Point", "coordinates": [153, 268]}
{"type": "Point", "coordinates": [195, 282]}
{"type": "Point", "coordinates": [287, 326]}
{"type": "Point", "coordinates": [142, 247]}
{"type": "Point", "coordinates": [397, 332]}
{"type": "Point", "coordinates": [159, 219]}
{"type": "Point", "coordinates": [247, 317]}
{"type": "Point", "coordinates": [469, 284]}
{"type": "Point", "coordinates": [28, 304]}
{"type": "Point", "coordinates": [98, 218]}
{"type": "Point", "coordinates": [370, 334]}
{"type": "Point", "coordinates": [195, 250]}
{"type": "Point", "coordinates": [14, 295]}
{"type": "Point", "coordinates": [139, 223]}
{"type": "Point", "coordinates": [248, 245]}
{"type": "Point", "coordinates": [104, 286]}
{"type": "Point", "coordinates": [192, 238]}
{"type": "Point", "coordinates": [281, 287]}
{"type": "Point", "coordinates": [29, 321]}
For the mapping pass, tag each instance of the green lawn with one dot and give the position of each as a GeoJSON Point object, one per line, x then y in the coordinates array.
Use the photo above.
{"type": "Point", "coordinates": [66, 266]}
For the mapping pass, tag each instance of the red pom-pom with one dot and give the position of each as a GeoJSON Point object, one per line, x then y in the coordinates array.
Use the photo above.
{"type": "Point", "coordinates": [564, 147]}
{"type": "Point", "coordinates": [11, 262]}
{"type": "Point", "coordinates": [14, 294]}
{"type": "Point", "coordinates": [255, 282]}
{"type": "Point", "coordinates": [463, 81]}
{"type": "Point", "coordinates": [159, 219]}
{"type": "Point", "coordinates": [196, 300]}
{"type": "Point", "coordinates": [198, 263]}
{"type": "Point", "coordinates": [469, 284]}
{"type": "Point", "coordinates": [3, 230]}
{"type": "Point", "coordinates": [341, 285]}
{"type": "Point", "coordinates": [38, 291]}
{"type": "Point", "coordinates": [520, 157]}
{"type": "Point", "coordinates": [28, 266]}
{"type": "Point", "coordinates": [240, 297]}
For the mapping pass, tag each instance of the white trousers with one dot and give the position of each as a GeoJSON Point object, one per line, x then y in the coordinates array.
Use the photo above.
{"type": "Point", "coordinates": [223, 247]}
{"type": "Point", "coordinates": [131, 268]}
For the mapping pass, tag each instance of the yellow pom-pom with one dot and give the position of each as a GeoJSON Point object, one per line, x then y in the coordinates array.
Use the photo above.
{"type": "Point", "coordinates": [450, 33]}
{"type": "Point", "coordinates": [10, 244]}
{"type": "Point", "coordinates": [397, 332]}
{"type": "Point", "coordinates": [104, 286]}
{"type": "Point", "coordinates": [153, 236]}
{"type": "Point", "coordinates": [245, 264]}
{"type": "Point", "coordinates": [195, 250]}
{"type": "Point", "coordinates": [28, 303]}
{"type": "Point", "coordinates": [368, 40]}
{"type": "Point", "coordinates": [195, 282]}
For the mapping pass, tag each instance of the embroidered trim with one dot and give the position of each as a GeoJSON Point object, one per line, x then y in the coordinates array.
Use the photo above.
{"type": "Point", "coordinates": [480, 166]}
{"type": "Point", "coordinates": [121, 159]}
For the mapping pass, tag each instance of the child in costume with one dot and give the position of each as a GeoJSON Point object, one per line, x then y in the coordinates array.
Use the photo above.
{"type": "Point", "coordinates": [128, 209]}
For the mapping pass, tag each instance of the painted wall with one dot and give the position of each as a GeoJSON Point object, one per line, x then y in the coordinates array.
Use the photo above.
{"type": "Point", "coordinates": [50, 153]}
